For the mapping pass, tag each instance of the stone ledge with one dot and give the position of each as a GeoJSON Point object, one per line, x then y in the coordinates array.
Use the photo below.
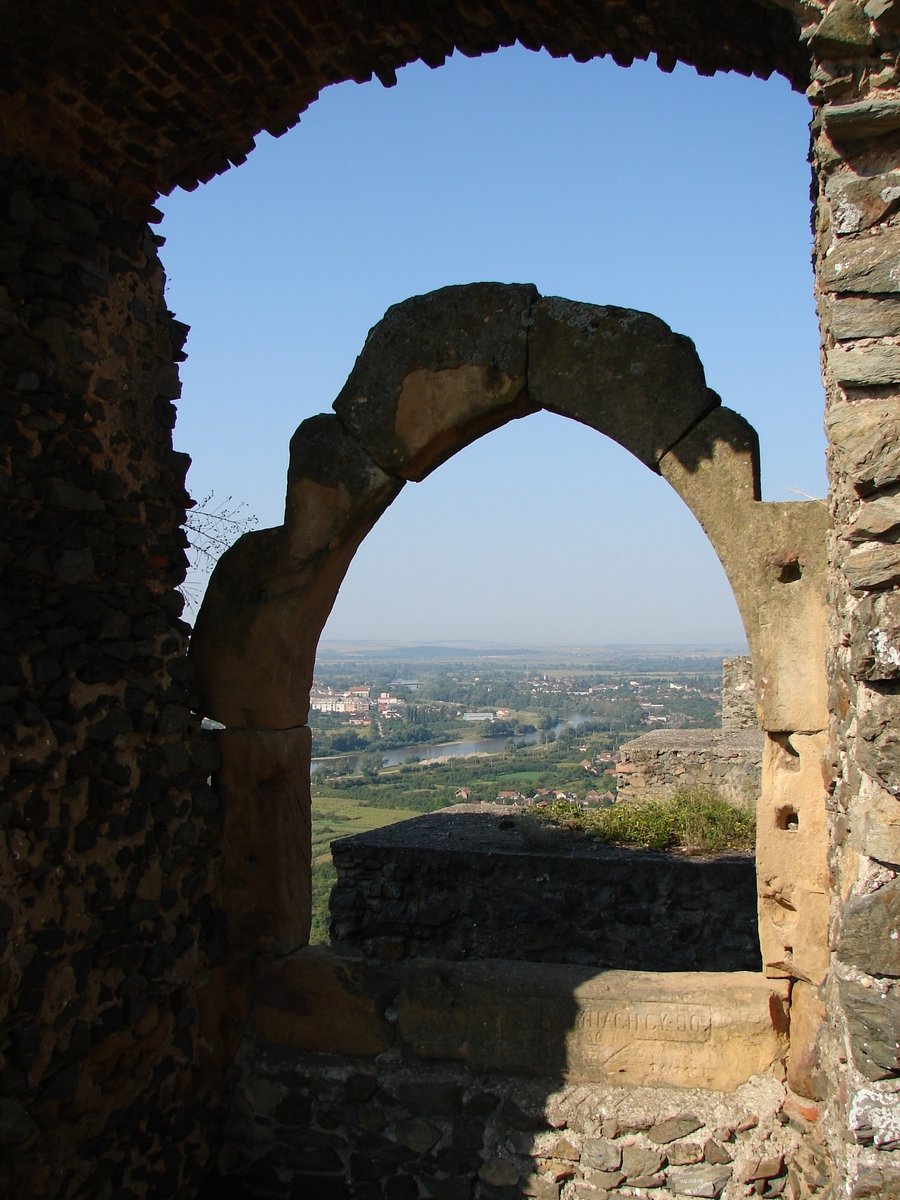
{"type": "Point", "coordinates": [683, 1029]}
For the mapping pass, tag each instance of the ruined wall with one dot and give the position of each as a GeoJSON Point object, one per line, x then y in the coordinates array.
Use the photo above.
{"type": "Point", "coordinates": [467, 884]}
{"type": "Point", "coordinates": [738, 694]}
{"type": "Point", "coordinates": [662, 761]}
{"type": "Point", "coordinates": [109, 835]}
{"type": "Point", "coordinates": [505, 1079]}
{"type": "Point", "coordinates": [108, 829]}
{"type": "Point", "coordinates": [856, 131]}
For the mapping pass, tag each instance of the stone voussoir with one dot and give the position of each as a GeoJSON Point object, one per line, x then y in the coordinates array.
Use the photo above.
{"type": "Point", "coordinates": [437, 372]}
{"type": "Point", "coordinates": [623, 372]}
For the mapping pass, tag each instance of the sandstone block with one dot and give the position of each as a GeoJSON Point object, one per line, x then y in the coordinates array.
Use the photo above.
{"type": "Point", "coordinates": [437, 372]}
{"type": "Point", "coordinates": [681, 1029]}
{"type": "Point", "coordinates": [637, 1161]}
{"type": "Point", "coordinates": [673, 1129]}
{"type": "Point", "coordinates": [807, 1014]}
{"type": "Point", "coordinates": [321, 1003]}
{"type": "Point", "coordinates": [601, 1154]}
{"type": "Point", "coordinates": [843, 32]}
{"type": "Point", "coordinates": [256, 634]}
{"type": "Point", "coordinates": [499, 1172]}
{"type": "Point", "coordinates": [622, 372]}
{"type": "Point", "coordinates": [263, 783]}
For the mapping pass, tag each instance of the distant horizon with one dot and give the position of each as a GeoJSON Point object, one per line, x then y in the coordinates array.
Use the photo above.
{"type": "Point", "coordinates": [431, 648]}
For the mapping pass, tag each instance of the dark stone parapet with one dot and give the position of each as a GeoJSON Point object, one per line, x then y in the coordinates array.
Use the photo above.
{"type": "Point", "coordinates": [462, 883]}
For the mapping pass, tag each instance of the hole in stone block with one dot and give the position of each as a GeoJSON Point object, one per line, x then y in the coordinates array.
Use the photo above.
{"type": "Point", "coordinates": [786, 818]}
{"type": "Point", "coordinates": [790, 571]}
{"type": "Point", "coordinates": [789, 759]}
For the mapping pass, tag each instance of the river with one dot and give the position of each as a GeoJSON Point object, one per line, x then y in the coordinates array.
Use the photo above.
{"type": "Point", "coordinates": [435, 751]}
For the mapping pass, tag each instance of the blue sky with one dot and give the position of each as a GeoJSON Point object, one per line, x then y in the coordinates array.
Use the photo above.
{"type": "Point", "coordinates": [682, 196]}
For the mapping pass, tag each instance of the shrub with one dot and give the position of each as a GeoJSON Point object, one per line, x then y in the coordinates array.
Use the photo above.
{"type": "Point", "coordinates": [696, 820]}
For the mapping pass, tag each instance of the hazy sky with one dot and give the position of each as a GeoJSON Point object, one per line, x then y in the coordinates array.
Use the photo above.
{"type": "Point", "coordinates": [682, 196]}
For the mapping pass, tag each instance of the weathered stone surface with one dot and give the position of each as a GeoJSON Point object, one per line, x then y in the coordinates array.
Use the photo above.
{"type": "Point", "coordinates": [792, 857]}
{"type": "Point", "coordinates": [264, 786]}
{"type": "Point", "coordinates": [500, 1172]}
{"type": "Point", "coordinates": [866, 439]}
{"type": "Point", "coordinates": [860, 201]}
{"type": "Point", "coordinates": [673, 1129]}
{"type": "Point", "coordinates": [685, 1030]}
{"type": "Point", "coordinates": [539, 1187]}
{"type": "Point", "coordinates": [684, 1154]}
{"type": "Point", "coordinates": [875, 637]}
{"type": "Point", "coordinates": [714, 1152]}
{"type": "Point", "coordinates": [875, 519]}
{"type": "Point", "coordinates": [879, 740]}
{"type": "Point", "coordinates": [865, 264]}
{"type": "Point", "coordinates": [843, 32]}
{"type": "Point", "coordinates": [638, 1160]}
{"type": "Point", "coordinates": [807, 1015]}
{"type": "Point", "coordinates": [875, 1117]}
{"type": "Point", "coordinates": [862, 119]}
{"type": "Point", "coordinates": [437, 372]}
{"type": "Point", "coordinates": [864, 317]}
{"type": "Point", "coordinates": [622, 372]}
{"type": "Point", "coordinates": [318, 1002]}
{"type": "Point", "coordinates": [601, 1154]}
{"type": "Point", "coordinates": [873, 1021]}
{"type": "Point", "coordinates": [604, 1179]}
{"type": "Point", "coordinates": [878, 1182]}
{"type": "Point", "coordinates": [662, 761]}
{"type": "Point", "coordinates": [774, 557]}
{"type": "Point", "coordinates": [704, 1179]}
{"type": "Point", "coordinates": [874, 565]}
{"type": "Point", "coordinates": [870, 931]}
{"type": "Point", "coordinates": [876, 831]}
{"type": "Point", "coordinates": [873, 366]}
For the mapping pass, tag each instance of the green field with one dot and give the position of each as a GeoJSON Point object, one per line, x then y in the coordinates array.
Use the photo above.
{"type": "Point", "coordinates": [336, 817]}
{"type": "Point", "coordinates": [360, 802]}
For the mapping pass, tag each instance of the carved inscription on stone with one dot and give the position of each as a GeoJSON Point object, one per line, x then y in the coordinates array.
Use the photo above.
{"type": "Point", "coordinates": [681, 1029]}
{"type": "Point", "coordinates": [671, 1023]}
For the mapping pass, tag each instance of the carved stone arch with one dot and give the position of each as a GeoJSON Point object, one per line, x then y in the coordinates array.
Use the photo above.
{"type": "Point", "coordinates": [437, 372]}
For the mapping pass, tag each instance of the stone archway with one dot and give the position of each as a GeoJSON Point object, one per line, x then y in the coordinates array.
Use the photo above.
{"type": "Point", "coordinates": [435, 374]}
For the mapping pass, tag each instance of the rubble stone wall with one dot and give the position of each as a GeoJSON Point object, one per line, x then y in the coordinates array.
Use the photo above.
{"type": "Point", "coordinates": [109, 830]}
{"type": "Point", "coordinates": [855, 92]}
{"type": "Point", "coordinates": [505, 1079]}
{"type": "Point", "coordinates": [462, 884]}
{"type": "Point", "coordinates": [663, 761]}
{"type": "Point", "coordinates": [738, 694]}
